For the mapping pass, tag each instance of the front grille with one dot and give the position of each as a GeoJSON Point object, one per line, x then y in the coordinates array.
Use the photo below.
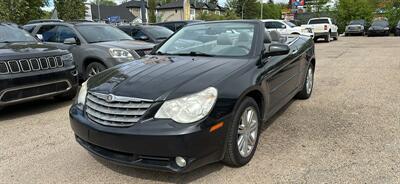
{"type": "Point", "coordinates": [116, 111]}
{"type": "Point", "coordinates": [33, 91]}
{"type": "Point", "coordinates": [30, 64]}
{"type": "Point", "coordinates": [144, 52]}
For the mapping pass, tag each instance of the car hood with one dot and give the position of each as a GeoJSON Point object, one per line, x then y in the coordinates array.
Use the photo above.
{"type": "Point", "coordinates": [27, 49]}
{"type": "Point", "coordinates": [127, 44]}
{"type": "Point", "coordinates": [161, 77]}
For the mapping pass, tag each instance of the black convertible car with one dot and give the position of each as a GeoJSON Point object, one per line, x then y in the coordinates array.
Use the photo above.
{"type": "Point", "coordinates": [199, 98]}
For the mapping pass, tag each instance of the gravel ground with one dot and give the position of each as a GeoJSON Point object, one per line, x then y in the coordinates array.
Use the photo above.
{"type": "Point", "coordinates": [348, 132]}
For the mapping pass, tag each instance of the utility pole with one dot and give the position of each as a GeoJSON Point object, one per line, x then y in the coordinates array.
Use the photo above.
{"type": "Point", "coordinates": [143, 11]}
{"type": "Point", "coordinates": [244, 2]}
{"type": "Point", "coordinates": [98, 9]}
{"type": "Point", "coordinates": [262, 6]}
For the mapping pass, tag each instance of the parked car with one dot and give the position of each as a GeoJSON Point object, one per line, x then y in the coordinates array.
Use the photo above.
{"type": "Point", "coordinates": [286, 27]}
{"type": "Point", "coordinates": [148, 33]}
{"type": "Point", "coordinates": [95, 46]}
{"type": "Point", "coordinates": [176, 25]}
{"type": "Point", "coordinates": [324, 27]}
{"type": "Point", "coordinates": [397, 31]}
{"type": "Point", "coordinates": [379, 27]}
{"type": "Point", "coordinates": [356, 27]}
{"type": "Point", "coordinates": [31, 70]}
{"type": "Point", "coordinates": [185, 107]}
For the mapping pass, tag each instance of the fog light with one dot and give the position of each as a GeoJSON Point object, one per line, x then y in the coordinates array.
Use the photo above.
{"type": "Point", "coordinates": [181, 162]}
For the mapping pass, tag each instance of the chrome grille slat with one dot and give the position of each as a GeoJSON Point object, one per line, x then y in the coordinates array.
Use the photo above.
{"type": "Point", "coordinates": [99, 101]}
{"type": "Point", "coordinates": [127, 111]}
{"type": "Point", "coordinates": [120, 111]}
{"type": "Point", "coordinates": [30, 64]}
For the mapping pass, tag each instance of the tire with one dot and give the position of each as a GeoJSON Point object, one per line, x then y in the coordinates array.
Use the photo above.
{"type": "Point", "coordinates": [328, 38]}
{"type": "Point", "coordinates": [69, 95]}
{"type": "Point", "coordinates": [93, 68]}
{"type": "Point", "coordinates": [308, 84]}
{"type": "Point", "coordinates": [346, 34]}
{"type": "Point", "coordinates": [336, 37]}
{"type": "Point", "coordinates": [233, 157]}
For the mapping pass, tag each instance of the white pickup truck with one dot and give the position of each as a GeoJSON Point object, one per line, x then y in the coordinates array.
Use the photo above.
{"type": "Point", "coordinates": [324, 27]}
{"type": "Point", "coordinates": [286, 27]}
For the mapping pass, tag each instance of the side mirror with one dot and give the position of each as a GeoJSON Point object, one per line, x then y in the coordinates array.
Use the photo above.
{"type": "Point", "coordinates": [276, 49]}
{"type": "Point", "coordinates": [283, 26]}
{"type": "Point", "coordinates": [70, 41]}
{"type": "Point", "coordinates": [143, 37]}
{"type": "Point", "coordinates": [39, 36]}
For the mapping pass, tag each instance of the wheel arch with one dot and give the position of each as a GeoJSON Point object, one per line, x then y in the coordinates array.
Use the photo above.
{"type": "Point", "coordinates": [91, 59]}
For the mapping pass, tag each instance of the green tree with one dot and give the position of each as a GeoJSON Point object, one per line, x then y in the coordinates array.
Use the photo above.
{"type": "Point", "coordinates": [270, 11]}
{"type": "Point", "coordinates": [248, 9]}
{"type": "Point", "coordinates": [152, 11]}
{"type": "Point", "coordinates": [21, 12]}
{"type": "Point", "coordinates": [348, 10]}
{"type": "Point", "coordinates": [70, 9]}
{"type": "Point", "coordinates": [105, 2]}
{"type": "Point", "coordinates": [393, 12]}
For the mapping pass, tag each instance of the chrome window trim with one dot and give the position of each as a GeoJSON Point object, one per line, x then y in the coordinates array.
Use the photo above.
{"type": "Point", "coordinates": [9, 65]}
{"type": "Point", "coordinates": [33, 97]}
{"type": "Point", "coordinates": [22, 68]}
{"type": "Point", "coordinates": [5, 63]}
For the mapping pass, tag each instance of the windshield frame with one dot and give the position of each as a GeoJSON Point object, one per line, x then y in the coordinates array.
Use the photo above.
{"type": "Point", "coordinates": [77, 27]}
{"type": "Point", "coordinates": [253, 50]}
{"type": "Point", "coordinates": [22, 32]}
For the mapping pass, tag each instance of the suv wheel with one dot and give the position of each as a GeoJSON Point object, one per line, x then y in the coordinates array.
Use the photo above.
{"type": "Point", "coordinates": [243, 133]}
{"type": "Point", "coordinates": [94, 68]}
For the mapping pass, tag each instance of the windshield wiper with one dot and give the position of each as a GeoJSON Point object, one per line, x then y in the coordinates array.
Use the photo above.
{"type": "Point", "coordinates": [193, 53]}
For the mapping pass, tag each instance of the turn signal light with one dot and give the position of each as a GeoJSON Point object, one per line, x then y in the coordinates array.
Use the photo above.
{"type": "Point", "coordinates": [217, 126]}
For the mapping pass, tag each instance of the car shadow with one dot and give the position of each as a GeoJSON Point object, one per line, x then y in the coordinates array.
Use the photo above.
{"type": "Point", "coordinates": [192, 176]}
{"type": "Point", "coordinates": [31, 108]}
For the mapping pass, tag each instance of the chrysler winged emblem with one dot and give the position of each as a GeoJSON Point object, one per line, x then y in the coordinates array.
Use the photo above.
{"type": "Point", "coordinates": [110, 98]}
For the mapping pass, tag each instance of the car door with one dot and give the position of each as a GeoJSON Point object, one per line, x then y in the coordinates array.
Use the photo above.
{"type": "Point", "coordinates": [282, 77]}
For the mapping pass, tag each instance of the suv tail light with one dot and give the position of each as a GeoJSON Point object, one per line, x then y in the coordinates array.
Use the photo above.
{"type": "Point", "coordinates": [325, 27]}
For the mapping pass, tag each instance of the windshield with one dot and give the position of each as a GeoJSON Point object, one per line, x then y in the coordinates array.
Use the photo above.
{"type": "Point", "coordinates": [290, 24]}
{"type": "Point", "coordinates": [319, 21]}
{"type": "Point", "coordinates": [159, 32]}
{"type": "Point", "coordinates": [357, 22]}
{"type": "Point", "coordinates": [380, 23]}
{"type": "Point", "coordinates": [14, 34]}
{"type": "Point", "coordinates": [102, 33]}
{"type": "Point", "coordinates": [213, 39]}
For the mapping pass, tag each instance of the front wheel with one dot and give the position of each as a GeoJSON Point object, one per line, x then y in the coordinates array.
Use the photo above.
{"type": "Point", "coordinates": [242, 135]}
{"type": "Point", "coordinates": [93, 68]}
{"type": "Point", "coordinates": [308, 84]}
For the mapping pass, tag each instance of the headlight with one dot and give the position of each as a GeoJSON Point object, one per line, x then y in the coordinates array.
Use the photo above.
{"type": "Point", "coordinates": [80, 101]}
{"type": "Point", "coordinates": [120, 53]}
{"type": "Point", "coordinates": [190, 108]}
{"type": "Point", "coordinates": [67, 58]}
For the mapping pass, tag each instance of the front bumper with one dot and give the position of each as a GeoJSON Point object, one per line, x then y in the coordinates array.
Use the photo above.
{"type": "Point", "coordinates": [378, 32]}
{"type": "Point", "coordinates": [21, 87]}
{"type": "Point", "coordinates": [151, 144]}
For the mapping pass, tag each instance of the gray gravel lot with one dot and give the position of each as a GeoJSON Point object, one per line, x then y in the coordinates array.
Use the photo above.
{"type": "Point", "coordinates": [348, 132]}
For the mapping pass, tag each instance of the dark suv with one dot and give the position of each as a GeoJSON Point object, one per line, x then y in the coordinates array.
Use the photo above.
{"type": "Point", "coordinates": [95, 46]}
{"type": "Point", "coordinates": [30, 69]}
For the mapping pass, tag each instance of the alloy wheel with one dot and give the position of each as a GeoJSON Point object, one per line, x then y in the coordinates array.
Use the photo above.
{"type": "Point", "coordinates": [247, 131]}
{"type": "Point", "coordinates": [310, 80]}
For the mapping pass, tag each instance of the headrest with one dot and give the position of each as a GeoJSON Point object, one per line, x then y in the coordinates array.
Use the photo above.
{"type": "Point", "coordinates": [224, 40]}
{"type": "Point", "coordinates": [275, 36]}
{"type": "Point", "coordinates": [244, 37]}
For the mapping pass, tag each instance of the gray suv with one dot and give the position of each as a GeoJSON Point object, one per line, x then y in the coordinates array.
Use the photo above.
{"type": "Point", "coordinates": [95, 46]}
